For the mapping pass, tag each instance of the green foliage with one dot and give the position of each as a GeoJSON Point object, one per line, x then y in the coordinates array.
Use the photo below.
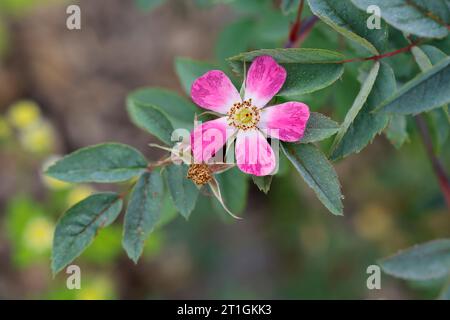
{"type": "Point", "coordinates": [427, 91]}
{"type": "Point", "coordinates": [430, 260]}
{"type": "Point", "coordinates": [183, 191]}
{"type": "Point", "coordinates": [150, 119]}
{"type": "Point", "coordinates": [358, 104]}
{"type": "Point", "coordinates": [143, 213]}
{"type": "Point", "coordinates": [318, 173]}
{"type": "Point", "coordinates": [177, 109]}
{"type": "Point", "coordinates": [366, 124]}
{"type": "Point", "coordinates": [79, 225]}
{"type": "Point", "coordinates": [426, 57]}
{"type": "Point", "coordinates": [308, 70]}
{"type": "Point", "coordinates": [379, 106]}
{"type": "Point", "coordinates": [108, 162]}
{"type": "Point", "coordinates": [396, 130]}
{"type": "Point", "coordinates": [422, 18]}
{"type": "Point", "coordinates": [346, 19]}
{"type": "Point", "coordinates": [318, 128]}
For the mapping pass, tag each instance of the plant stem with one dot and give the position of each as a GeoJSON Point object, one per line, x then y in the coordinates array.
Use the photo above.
{"type": "Point", "coordinates": [438, 167]}
{"type": "Point", "coordinates": [384, 55]}
{"type": "Point", "coordinates": [295, 28]}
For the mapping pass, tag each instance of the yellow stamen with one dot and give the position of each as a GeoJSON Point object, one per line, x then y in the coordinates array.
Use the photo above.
{"type": "Point", "coordinates": [243, 115]}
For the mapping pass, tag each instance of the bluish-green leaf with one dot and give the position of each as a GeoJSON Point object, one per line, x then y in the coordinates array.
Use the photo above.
{"type": "Point", "coordinates": [108, 162]}
{"type": "Point", "coordinates": [262, 182]}
{"type": "Point", "coordinates": [426, 261]}
{"type": "Point", "coordinates": [396, 130]}
{"type": "Point", "coordinates": [423, 18]}
{"type": "Point", "coordinates": [188, 70]}
{"type": "Point", "coordinates": [358, 104]}
{"type": "Point", "coordinates": [143, 213]}
{"type": "Point", "coordinates": [318, 128]}
{"type": "Point", "coordinates": [347, 19]}
{"type": "Point", "coordinates": [427, 91]}
{"type": "Point", "coordinates": [179, 111]}
{"type": "Point", "coordinates": [79, 225]}
{"type": "Point", "coordinates": [308, 70]}
{"type": "Point", "coordinates": [183, 191]}
{"type": "Point", "coordinates": [318, 173]}
{"type": "Point", "coordinates": [367, 124]}
{"type": "Point", "coordinates": [427, 56]}
{"type": "Point", "coordinates": [151, 119]}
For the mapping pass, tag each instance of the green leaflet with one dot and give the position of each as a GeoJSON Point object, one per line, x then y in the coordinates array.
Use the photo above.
{"type": "Point", "coordinates": [308, 70]}
{"type": "Point", "coordinates": [318, 173]}
{"type": "Point", "coordinates": [179, 111]}
{"type": "Point", "coordinates": [183, 191]}
{"type": "Point", "coordinates": [423, 18]}
{"type": "Point", "coordinates": [108, 162]}
{"type": "Point", "coordinates": [358, 104]}
{"type": "Point", "coordinates": [151, 119]}
{"type": "Point", "coordinates": [366, 125]}
{"type": "Point", "coordinates": [143, 213]}
{"type": "Point", "coordinates": [79, 225]}
{"type": "Point", "coordinates": [396, 130]}
{"type": "Point", "coordinates": [348, 20]}
{"type": "Point", "coordinates": [426, 57]}
{"type": "Point", "coordinates": [318, 128]}
{"type": "Point", "coordinates": [429, 90]}
{"type": "Point", "coordinates": [430, 260]}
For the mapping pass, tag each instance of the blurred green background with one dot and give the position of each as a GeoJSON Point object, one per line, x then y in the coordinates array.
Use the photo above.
{"type": "Point", "coordinates": [61, 90]}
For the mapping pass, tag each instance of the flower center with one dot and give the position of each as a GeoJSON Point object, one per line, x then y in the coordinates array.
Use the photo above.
{"type": "Point", "coordinates": [243, 115]}
{"type": "Point", "coordinates": [200, 174]}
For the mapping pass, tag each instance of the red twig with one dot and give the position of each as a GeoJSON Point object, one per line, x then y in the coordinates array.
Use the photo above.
{"type": "Point", "coordinates": [438, 167]}
{"type": "Point", "coordinates": [295, 28]}
{"type": "Point", "coordinates": [384, 55]}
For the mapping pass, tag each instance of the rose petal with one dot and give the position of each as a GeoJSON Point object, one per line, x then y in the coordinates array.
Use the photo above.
{"type": "Point", "coordinates": [208, 138]}
{"type": "Point", "coordinates": [264, 79]}
{"type": "Point", "coordinates": [254, 155]}
{"type": "Point", "coordinates": [286, 121]}
{"type": "Point", "coordinates": [214, 91]}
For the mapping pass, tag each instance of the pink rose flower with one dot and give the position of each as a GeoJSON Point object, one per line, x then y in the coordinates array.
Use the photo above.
{"type": "Point", "coordinates": [246, 119]}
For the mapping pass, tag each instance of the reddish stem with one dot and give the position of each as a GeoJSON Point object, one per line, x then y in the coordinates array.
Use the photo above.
{"type": "Point", "coordinates": [295, 28]}
{"type": "Point", "coordinates": [438, 167]}
{"type": "Point", "coordinates": [384, 55]}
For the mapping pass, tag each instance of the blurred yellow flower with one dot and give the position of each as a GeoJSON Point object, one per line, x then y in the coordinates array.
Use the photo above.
{"type": "Point", "coordinates": [78, 193]}
{"type": "Point", "coordinates": [5, 129]}
{"type": "Point", "coordinates": [97, 289]}
{"type": "Point", "coordinates": [373, 223]}
{"type": "Point", "coordinates": [38, 234]}
{"type": "Point", "coordinates": [38, 138]}
{"type": "Point", "coordinates": [23, 114]}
